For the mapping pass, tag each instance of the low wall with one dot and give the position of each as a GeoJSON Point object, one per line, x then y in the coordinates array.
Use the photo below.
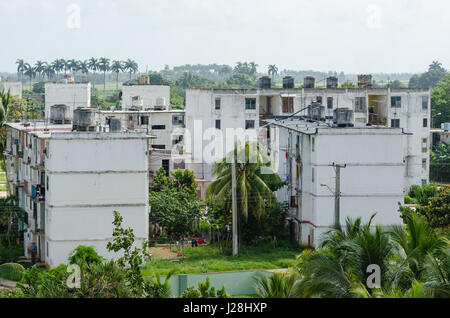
{"type": "Point", "coordinates": [236, 282]}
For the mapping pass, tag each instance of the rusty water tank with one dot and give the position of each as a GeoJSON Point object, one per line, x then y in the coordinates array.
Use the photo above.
{"type": "Point", "coordinates": [364, 80]}
{"type": "Point", "coordinates": [84, 119]}
{"type": "Point", "coordinates": [309, 82]}
{"type": "Point", "coordinates": [288, 82]}
{"type": "Point", "coordinates": [343, 117]}
{"type": "Point", "coordinates": [59, 114]}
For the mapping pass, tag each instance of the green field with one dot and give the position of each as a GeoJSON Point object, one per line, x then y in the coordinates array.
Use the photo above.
{"type": "Point", "coordinates": [207, 259]}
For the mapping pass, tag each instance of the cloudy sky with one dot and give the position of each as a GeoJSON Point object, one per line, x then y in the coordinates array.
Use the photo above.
{"type": "Point", "coordinates": [355, 36]}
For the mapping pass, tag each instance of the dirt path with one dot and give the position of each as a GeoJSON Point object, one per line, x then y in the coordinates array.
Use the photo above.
{"type": "Point", "coordinates": [162, 253]}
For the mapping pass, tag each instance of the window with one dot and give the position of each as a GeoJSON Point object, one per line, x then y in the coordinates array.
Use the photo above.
{"type": "Point", "coordinates": [250, 103]}
{"type": "Point", "coordinates": [312, 175]}
{"type": "Point", "coordinates": [425, 122]}
{"type": "Point", "coordinates": [47, 183]}
{"type": "Point", "coordinates": [249, 124]}
{"type": "Point", "coordinates": [144, 120]}
{"type": "Point", "coordinates": [165, 165]}
{"type": "Point", "coordinates": [159, 146]}
{"type": "Point", "coordinates": [217, 123]}
{"type": "Point", "coordinates": [177, 120]}
{"type": "Point", "coordinates": [360, 104]}
{"type": "Point", "coordinates": [395, 123]}
{"type": "Point", "coordinates": [396, 101]}
{"type": "Point", "coordinates": [47, 251]}
{"type": "Point", "coordinates": [319, 99]}
{"type": "Point", "coordinates": [313, 144]}
{"type": "Point", "coordinates": [217, 104]}
{"type": "Point", "coordinates": [424, 163]}
{"type": "Point", "coordinates": [424, 144]}
{"type": "Point", "coordinates": [330, 102]}
{"type": "Point", "coordinates": [424, 102]}
{"type": "Point", "coordinates": [158, 127]}
{"type": "Point", "coordinates": [288, 104]}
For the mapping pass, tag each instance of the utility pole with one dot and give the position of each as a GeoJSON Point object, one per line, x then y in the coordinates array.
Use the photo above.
{"type": "Point", "coordinates": [234, 203]}
{"type": "Point", "coordinates": [337, 194]}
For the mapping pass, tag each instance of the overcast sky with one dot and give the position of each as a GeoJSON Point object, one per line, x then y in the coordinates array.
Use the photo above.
{"type": "Point", "coordinates": [355, 36]}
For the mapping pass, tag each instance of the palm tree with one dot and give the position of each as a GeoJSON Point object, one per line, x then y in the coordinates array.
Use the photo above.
{"type": "Point", "coordinates": [9, 212]}
{"type": "Point", "coordinates": [58, 65]}
{"type": "Point", "coordinates": [20, 69]}
{"type": "Point", "coordinates": [419, 246]}
{"type": "Point", "coordinates": [117, 67]}
{"type": "Point", "coordinates": [30, 72]}
{"type": "Point", "coordinates": [93, 65]}
{"type": "Point", "coordinates": [253, 67]}
{"type": "Point", "coordinates": [273, 70]}
{"type": "Point", "coordinates": [131, 66]}
{"type": "Point", "coordinates": [49, 71]}
{"type": "Point", "coordinates": [83, 66]}
{"type": "Point", "coordinates": [103, 65]}
{"type": "Point", "coordinates": [73, 65]}
{"type": "Point", "coordinates": [39, 68]}
{"type": "Point", "coordinates": [278, 285]}
{"type": "Point", "coordinates": [253, 185]}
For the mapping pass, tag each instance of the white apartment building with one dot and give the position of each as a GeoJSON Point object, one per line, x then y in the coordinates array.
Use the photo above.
{"type": "Point", "coordinates": [14, 87]}
{"type": "Point", "coordinates": [243, 108]}
{"type": "Point", "coordinates": [69, 184]}
{"type": "Point", "coordinates": [73, 95]}
{"type": "Point", "coordinates": [371, 182]}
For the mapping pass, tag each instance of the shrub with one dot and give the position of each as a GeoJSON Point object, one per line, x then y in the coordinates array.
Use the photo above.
{"type": "Point", "coordinates": [84, 255]}
{"type": "Point", "coordinates": [409, 200]}
{"type": "Point", "coordinates": [11, 271]}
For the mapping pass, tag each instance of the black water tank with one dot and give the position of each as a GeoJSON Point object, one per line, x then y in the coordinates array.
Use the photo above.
{"type": "Point", "coordinates": [309, 82]}
{"type": "Point", "coordinates": [332, 82]}
{"type": "Point", "coordinates": [288, 82]}
{"type": "Point", "coordinates": [265, 82]}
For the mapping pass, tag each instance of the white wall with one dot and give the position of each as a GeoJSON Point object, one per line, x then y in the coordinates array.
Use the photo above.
{"type": "Point", "coordinates": [148, 94]}
{"type": "Point", "coordinates": [90, 175]}
{"type": "Point", "coordinates": [73, 95]}
{"type": "Point", "coordinates": [15, 87]}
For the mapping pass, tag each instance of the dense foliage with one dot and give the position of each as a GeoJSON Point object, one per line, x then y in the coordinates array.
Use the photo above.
{"type": "Point", "coordinates": [174, 203]}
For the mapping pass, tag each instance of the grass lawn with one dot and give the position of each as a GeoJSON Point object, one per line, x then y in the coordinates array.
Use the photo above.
{"type": "Point", "coordinates": [207, 259]}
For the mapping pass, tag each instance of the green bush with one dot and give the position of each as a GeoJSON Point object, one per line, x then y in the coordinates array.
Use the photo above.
{"type": "Point", "coordinates": [84, 255]}
{"type": "Point", "coordinates": [11, 271]}
{"type": "Point", "coordinates": [409, 200]}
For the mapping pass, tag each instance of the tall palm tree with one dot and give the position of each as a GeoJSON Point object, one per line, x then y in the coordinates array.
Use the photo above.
{"type": "Point", "coordinates": [273, 70]}
{"type": "Point", "coordinates": [49, 71]}
{"type": "Point", "coordinates": [30, 72]}
{"type": "Point", "coordinates": [20, 69]}
{"type": "Point", "coordinates": [39, 68]}
{"type": "Point", "coordinates": [58, 65]}
{"type": "Point", "coordinates": [117, 67]}
{"type": "Point", "coordinates": [93, 65]}
{"type": "Point", "coordinates": [103, 65]}
{"type": "Point", "coordinates": [83, 67]}
{"type": "Point", "coordinates": [253, 192]}
{"type": "Point", "coordinates": [131, 66]}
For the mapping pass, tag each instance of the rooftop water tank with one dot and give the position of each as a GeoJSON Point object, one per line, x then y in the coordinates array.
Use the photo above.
{"type": "Point", "coordinates": [446, 126]}
{"type": "Point", "coordinates": [288, 82]}
{"type": "Point", "coordinates": [365, 80]}
{"type": "Point", "coordinates": [144, 80]}
{"type": "Point", "coordinates": [58, 114]}
{"type": "Point", "coordinates": [265, 82]}
{"type": "Point", "coordinates": [332, 82]}
{"type": "Point", "coordinates": [84, 119]}
{"type": "Point", "coordinates": [343, 117]}
{"type": "Point", "coordinates": [316, 111]}
{"type": "Point", "coordinates": [309, 82]}
{"type": "Point", "coordinates": [115, 124]}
